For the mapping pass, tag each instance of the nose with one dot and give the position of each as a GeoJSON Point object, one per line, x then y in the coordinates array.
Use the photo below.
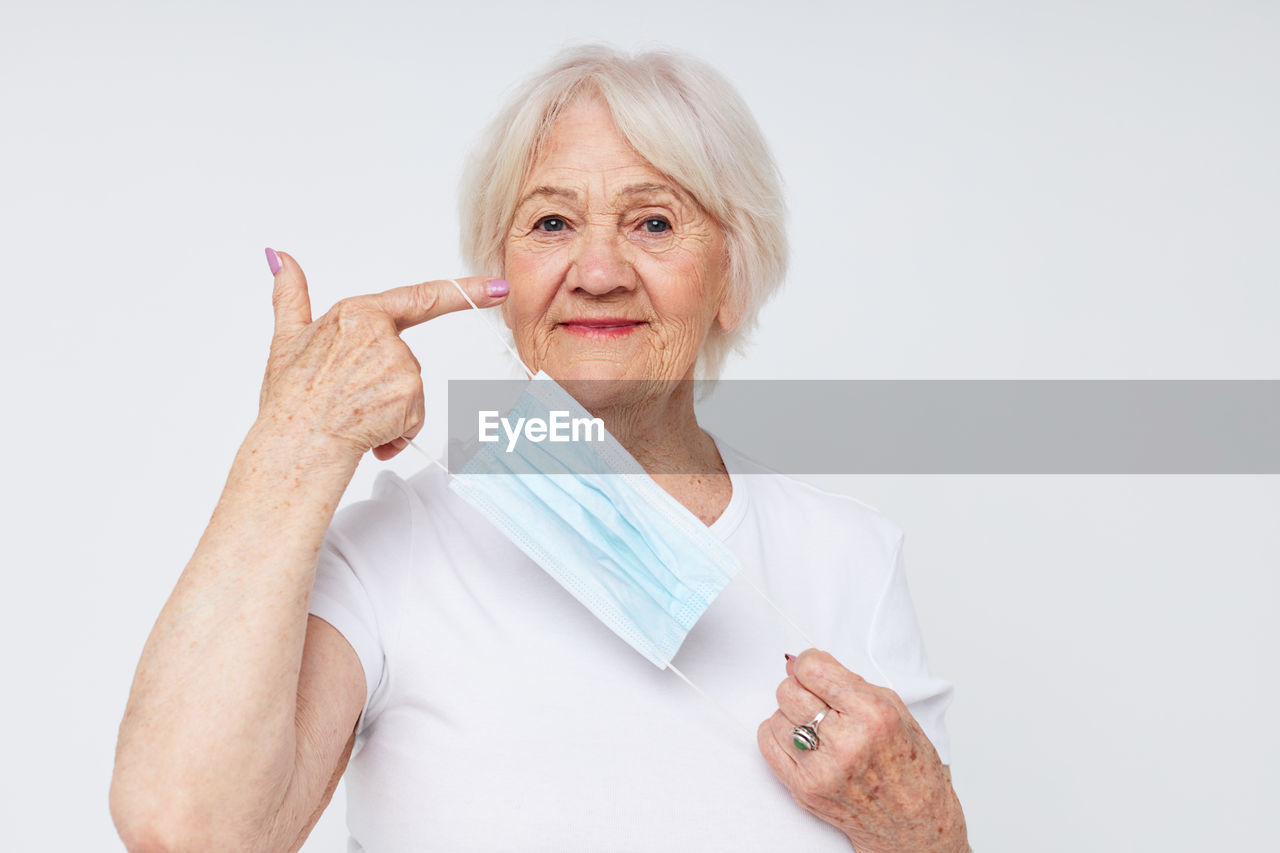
{"type": "Point", "coordinates": [601, 263]}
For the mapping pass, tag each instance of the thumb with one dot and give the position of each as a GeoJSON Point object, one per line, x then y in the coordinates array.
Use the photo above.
{"type": "Point", "coordinates": [289, 296]}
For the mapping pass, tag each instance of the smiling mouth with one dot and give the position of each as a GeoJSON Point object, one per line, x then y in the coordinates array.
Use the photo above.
{"type": "Point", "coordinates": [606, 327]}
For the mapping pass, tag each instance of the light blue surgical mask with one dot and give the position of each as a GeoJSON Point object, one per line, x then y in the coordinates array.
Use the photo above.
{"type": "Point", "coordinates": [587, 513]}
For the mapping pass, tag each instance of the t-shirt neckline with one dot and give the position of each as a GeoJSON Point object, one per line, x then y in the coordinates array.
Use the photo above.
{"type": "Point", "coordinates": [724, 526]}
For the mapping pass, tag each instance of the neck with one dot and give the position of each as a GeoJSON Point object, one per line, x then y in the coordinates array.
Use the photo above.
{"type": "Point", "coordinates": [659, 428]}
{"type": "Point", "coordinates": [662, 433]}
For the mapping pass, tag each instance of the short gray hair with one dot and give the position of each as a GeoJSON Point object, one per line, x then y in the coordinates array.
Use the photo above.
{"type": "Point", "coordinates": [683, 117]}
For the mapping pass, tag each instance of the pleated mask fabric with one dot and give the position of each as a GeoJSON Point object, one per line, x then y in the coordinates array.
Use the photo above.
{"type": "Point", "coordinates": [593, 519]}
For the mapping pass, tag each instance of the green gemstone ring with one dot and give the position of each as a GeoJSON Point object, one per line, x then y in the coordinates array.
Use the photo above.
{"type": "Point", "coordinates": [806, 737]}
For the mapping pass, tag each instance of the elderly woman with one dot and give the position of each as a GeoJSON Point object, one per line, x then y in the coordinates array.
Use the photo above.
{"type": "Point", "coordinates": [628, 218]}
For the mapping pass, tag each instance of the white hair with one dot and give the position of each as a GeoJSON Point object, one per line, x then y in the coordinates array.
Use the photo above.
{"type": "Point", "coordinates": [683, 117]}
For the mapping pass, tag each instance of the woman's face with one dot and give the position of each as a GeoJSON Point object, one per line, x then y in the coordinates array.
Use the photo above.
{"type": "Point", "coordinates": [615, 272]}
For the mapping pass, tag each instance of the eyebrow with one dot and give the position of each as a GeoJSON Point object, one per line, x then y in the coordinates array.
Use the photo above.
{"type": "Point", "coordinates": [647, 189]}
{"type": "Point", "coordinates": [545, 191]}
{"type": "Point", "coordinates": [551, 192]}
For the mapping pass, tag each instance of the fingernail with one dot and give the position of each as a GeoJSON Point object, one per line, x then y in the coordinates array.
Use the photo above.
{"type": "Point", "coordinates": [497, 287]}
{"type": "Point", "coordinates": [273, 261]}
{"type": "Point", "coordinates": [788, 656]}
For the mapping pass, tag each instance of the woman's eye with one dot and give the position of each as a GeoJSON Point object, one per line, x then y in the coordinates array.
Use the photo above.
{"type": "Point", "coordinates": [550, 223]}
{"type": "Point", "coordinates": [656, 226]}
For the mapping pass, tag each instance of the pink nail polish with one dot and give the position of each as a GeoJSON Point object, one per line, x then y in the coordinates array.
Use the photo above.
{"type": "Point", "coordinates": [273, 261]}
{"type": "Point", "coordinates": [788, 656]}
{"type": "Point", "coordinates": [497, 287]}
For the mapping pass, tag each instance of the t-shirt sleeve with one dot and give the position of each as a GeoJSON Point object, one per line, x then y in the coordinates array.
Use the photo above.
{"type": "Point", "coordinates": [897, 650]}
{"type": "Point", "coordinates": [363, 556]}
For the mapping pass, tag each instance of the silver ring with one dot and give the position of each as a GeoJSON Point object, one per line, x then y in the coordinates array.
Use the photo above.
{"type": "Point", "coordinates": [806, 737]}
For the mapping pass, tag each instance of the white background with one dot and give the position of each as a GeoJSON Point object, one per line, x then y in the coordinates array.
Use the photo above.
{"type": "Point", "coordinates": [978, 190]}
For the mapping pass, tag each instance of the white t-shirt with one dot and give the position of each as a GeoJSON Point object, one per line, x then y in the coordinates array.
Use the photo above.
{"type": "Point", "coordinates": [502, 715]}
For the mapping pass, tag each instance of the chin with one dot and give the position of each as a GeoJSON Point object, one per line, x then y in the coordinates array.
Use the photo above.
{"type": "Point", "coordinates": [600, 384]}
{"type": "Point", "coordinates": [597, 383]}
{"type": "Point", "coordinates": [592, 382]}
{"type": "Point", "coordinates": [604, 371]}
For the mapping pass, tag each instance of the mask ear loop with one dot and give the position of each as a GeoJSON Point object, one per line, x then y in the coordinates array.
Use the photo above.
{"type": "Point", "coordinates": [722, 709]}
{"type": "Point", "coordinates": [707, 696]}
{"type": "Point", "coordinates": [527, 372]}
{"type": "Point", "coordinates": [431, 459]}
{"type": "Point", "coordinates": [790, 621]}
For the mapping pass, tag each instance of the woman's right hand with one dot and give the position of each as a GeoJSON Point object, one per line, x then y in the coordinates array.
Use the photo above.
{"type": "Point", "coordinates": [346, 379]}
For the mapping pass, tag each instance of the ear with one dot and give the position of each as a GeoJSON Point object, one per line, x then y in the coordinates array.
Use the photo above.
{"type": "Point", "coordinates": [729, 314]}
{"type": "Point", "coordinates": [729, 311]}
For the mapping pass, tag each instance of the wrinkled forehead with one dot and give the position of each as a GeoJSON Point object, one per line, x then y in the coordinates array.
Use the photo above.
{"type": "Point", "coordinates": [582, 156]}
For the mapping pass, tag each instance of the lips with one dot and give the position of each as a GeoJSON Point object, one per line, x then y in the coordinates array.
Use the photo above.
{"type": "Point", "coordinates": [602, 327]}
{"type": "Point", "coordinates": [603, 322]}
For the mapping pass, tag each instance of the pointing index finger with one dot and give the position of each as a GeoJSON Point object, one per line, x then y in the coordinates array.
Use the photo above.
{"type": "Point", "coordinates": [418, 303]}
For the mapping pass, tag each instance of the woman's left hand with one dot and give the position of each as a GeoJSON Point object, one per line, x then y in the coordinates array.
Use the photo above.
{"type": "Point", "coordinates": [874, 776]}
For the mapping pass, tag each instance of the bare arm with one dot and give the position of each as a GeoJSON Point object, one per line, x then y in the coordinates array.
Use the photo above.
{"type": "Point", "coordinates": [210, 737]}
{"type": "Point", "coordinates": [242, 709]}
